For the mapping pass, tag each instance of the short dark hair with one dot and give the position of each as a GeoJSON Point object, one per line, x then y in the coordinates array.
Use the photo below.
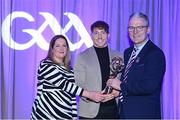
{"type": "Point", "coordinates": [140, 15]}
{"type": "Point", "coordinates": [100, 25]}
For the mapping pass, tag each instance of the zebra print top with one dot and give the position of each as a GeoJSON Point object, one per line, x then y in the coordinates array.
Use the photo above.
{"type": "Point", "coordinates": [56, 93]}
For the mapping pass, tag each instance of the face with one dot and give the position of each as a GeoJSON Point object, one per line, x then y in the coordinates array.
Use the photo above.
{"type": "Point", "coordinates": [138, 30]}
{"type": "Point", "coordinates": [60, 49]}
{"type": "Point", "coordinates": [100, 37]}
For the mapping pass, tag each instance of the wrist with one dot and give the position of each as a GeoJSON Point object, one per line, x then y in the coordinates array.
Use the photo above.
{"type": "Point", "coordinates": [86, 94]}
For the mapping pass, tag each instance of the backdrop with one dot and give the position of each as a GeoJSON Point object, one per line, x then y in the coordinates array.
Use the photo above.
{"type": "Point", "coordinates": [28, 25]}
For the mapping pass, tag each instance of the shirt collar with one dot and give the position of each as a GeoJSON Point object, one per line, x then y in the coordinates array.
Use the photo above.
{"type": "Point", "coordinates": [140, 46]}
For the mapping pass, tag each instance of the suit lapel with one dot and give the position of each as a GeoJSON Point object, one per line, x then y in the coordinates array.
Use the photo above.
{"type": "Point", "coordinates": [128, 55]}
{"type": "Point", "coordinates": [142, 53]}
{"type": "Point", "coordinates": [94, 62]}
{"type": "Point", "coordinates": [111, 55]}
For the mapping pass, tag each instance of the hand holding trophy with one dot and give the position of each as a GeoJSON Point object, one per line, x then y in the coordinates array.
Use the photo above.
{"type": "Point", "coordinates": [116, 66]}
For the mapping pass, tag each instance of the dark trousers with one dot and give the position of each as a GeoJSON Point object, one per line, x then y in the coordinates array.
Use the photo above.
{"type": "Point", "coordinates": [106, 112]}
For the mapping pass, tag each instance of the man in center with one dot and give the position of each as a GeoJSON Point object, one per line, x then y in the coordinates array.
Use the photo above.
{"type": "Point", "coordinates": [92, 70]}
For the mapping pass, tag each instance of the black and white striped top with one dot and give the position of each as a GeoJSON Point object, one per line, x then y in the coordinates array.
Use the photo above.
{"type": "Point", "coordinates": [56, 93]}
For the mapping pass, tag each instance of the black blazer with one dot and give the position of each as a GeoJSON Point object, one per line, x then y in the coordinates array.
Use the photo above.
{"type": "Point", "coordinates": [142, 90]}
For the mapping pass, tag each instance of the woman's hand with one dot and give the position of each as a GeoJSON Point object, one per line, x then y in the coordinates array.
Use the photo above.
{"type": "Point", "coordinates": [94, 96]}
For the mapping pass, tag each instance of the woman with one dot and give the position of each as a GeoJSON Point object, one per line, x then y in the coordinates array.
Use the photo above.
{"type": "Point", "coordinates": [56, 91]}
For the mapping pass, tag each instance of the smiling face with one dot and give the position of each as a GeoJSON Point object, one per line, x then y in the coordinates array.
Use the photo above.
{"type": "Point", "coordinates": [59, 50]}
{"type": "Point", "coordinates": [138, 30]}
{"type": "Point", "coordinates": [99, 37]}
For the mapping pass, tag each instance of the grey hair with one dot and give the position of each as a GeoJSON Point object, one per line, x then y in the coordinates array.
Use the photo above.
{"type": "Point", "coordinates": [140, 15]}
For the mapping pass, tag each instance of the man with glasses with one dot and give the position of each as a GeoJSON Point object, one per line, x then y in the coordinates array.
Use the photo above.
{"type": "Point", "coordinates": [141, 81]}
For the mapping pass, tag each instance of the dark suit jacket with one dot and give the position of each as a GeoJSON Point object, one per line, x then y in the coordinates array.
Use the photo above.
{"type": "Point", "coordinates": [142, 90]}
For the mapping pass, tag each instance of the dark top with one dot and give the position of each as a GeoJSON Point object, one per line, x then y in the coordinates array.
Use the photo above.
{"type": "Point", "coordinates": [104, 62]}
{"type": "Point", "coordinates": [103, 57]}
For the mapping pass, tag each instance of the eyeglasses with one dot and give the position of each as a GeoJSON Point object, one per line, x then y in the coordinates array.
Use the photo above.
{"type": "Point", "coordinates": [138, 28]}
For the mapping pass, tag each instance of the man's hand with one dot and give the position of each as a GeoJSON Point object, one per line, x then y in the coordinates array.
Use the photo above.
{"type": "Point", "coordinates": [115, 83]}
{"type": "Point", "coordinates": [107, 97]}
{"type": "Point", "coordinates": [110, 96]}
{"type": "Point", "coordinates": [115, 93]}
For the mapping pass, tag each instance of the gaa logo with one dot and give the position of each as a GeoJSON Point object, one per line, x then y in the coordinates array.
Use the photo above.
{"type": "Point", "coordinates": [37, 37]}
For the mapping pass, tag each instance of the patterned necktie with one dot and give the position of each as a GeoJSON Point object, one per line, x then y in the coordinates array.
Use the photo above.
{"type": "Point", "coordinates": [128, 66]}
